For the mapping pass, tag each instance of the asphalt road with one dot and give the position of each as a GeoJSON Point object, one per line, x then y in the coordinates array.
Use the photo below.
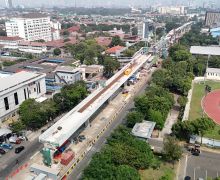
{"type": "Point", "coordinates": [203, 166]}
{"type": "Point", "coordinates": [9, 165]}
{"type": "Point", "coordinates": [77, 172]}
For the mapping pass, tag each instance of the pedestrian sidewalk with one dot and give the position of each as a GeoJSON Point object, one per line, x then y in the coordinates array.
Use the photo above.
{"type": "Point", "coordinates": [171, 119]}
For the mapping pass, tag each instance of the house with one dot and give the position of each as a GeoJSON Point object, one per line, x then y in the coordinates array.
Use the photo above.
{"type": "Point", "coordinates": [104, 41]}
{"type": "Point", "coordinates": [115, 51]}
{"type": "Point", "coordinates": [215, 32]}
{"type": "Point", "coordinates": [18, 87]}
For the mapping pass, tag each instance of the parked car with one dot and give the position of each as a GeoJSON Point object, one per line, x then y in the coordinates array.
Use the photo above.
{"type": "Point", "coordinates": [19, 149]}
{"type": "Point", "coordinates": [2, 151]}
{"type": "Point", "coordinates": [6, 146]}
{"type": "Point", "coordinates": [14, 140]}
{"type": "Point", "coordinates": [187, 178]}
{"type": "Point", "coordinates": [82, 137]}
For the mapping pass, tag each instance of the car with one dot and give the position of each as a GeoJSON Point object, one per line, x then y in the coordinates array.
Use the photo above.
{"type": "Point", "coordinates": [187, 178]}
{"type": "Point", "coordinates": [14, 140]}
{"type": "Point", "coordinates": [6, 146]}
{"type": "Point", "coordinates": [82, 137]}
{"type": "Point", "coordinates": [19, 149]}
{"type": "Point", "coordinates": [2, 151]}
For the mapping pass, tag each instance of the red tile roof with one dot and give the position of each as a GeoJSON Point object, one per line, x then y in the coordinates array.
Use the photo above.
{"type": "Point", "coordinates": [104, 41]}
{"type": "Point", "coordinates": [114, 49]}
{"type": "Point", "coordinates": [27, 43]}
{"type": "Point", "coordinates": [6, 38]}
{"type": "Point", "coordinates": [73, 29]}
{"type": "Point", "coordinates": [60, 43]}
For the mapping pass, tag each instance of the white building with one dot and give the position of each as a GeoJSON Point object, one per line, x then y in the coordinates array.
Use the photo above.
{"type": "Point", "coordinates": [10, 42]}
{"type": "Point", "coordinates": [32, 47]}
{"type": "Point", "coordinates": [145, 29]}
{"type": "Point", "coordinates": [213, 73]}
{"type": "Point", "coordinates": [17, 88]}
{"type": "Point", "coordinates": [175, 10]}
{"type": "Point", "coordinates": [30, 27]}
{"type": "Point", "coordinates": [68, 74]}
{"type": "Point", "coordinates": [55, 30]}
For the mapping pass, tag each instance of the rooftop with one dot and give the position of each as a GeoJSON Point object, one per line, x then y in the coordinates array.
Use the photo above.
{"type": "Point", "coordinates": [205, 50]}
{"type": "Point", "coordinates": [115, 49]}
{"type": "Point", "coordinates": [66, 69]}
{"type": "Point", "coordinates": [213, 70]}
{"type": "Point", "coordinates": [6, 38]}
{"type": "Point", "coordinates": [16, 79]}
{"type": "Point", "coordinates": [34, 15]}
{"type": "Point", "coordinates": [144, 129]}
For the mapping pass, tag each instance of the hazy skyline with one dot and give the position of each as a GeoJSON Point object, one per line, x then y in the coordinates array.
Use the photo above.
{"type": "Point", "coordinates": [104, 3]}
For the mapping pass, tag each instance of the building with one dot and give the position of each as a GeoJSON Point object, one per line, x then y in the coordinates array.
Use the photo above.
{"type": "Point", "coordinates": [9, 4]}
{"type": "Point", "coordinates": [215, 32]}
{"type": "Point", "coordinates": [115, 51]}
{"type": "Point", "coordinates": [55, 30]}
{"type": "Point", "coordinates": [103, 41]}
{"type": "Point", "coordinates": [32, 47]}
{"type": "Point", "coordinates": [116, 32]}
{"type": "Point", "coordinates": [30, 27]}
{"type": "Point", "coordinates": [17, 88]}
{"type": "Point", "coordinates": [10, 42]}
{"type": "Point", "coordinates": [213, 73]}
{"type": "Point", "coordinates": [174, 10]}
{"type": "Point", "coordinates": [145, 29]}
{"type": "Point", "coordinates": [212, 19]}
{"type": "Point", "coordinates": [143, 130]}
{"type": "Point", "coordinates": [68, 75]}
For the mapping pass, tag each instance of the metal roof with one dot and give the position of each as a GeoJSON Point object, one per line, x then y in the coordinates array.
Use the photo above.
{"type": "Point", "coordinates": [205, 50]}
{"type": "Point", "coordinates": [144, 129]}
{"type": "Point", "coordinates": [213, 70]}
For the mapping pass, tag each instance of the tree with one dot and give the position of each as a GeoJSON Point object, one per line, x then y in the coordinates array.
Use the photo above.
{"type": "Point", "coordinates": [202, 126]}
{"type": "Point", "coordinates": [17, 126]}
{"type": "Point", "coordinates": [157, 117]}
{"type": "Point", "coordinates": [33, 119]}
{"type": "Point", "coordinates": [66, 33]}
{"type": "Point", "coordinates": [128, 53]}
{"type": "Point", "coordinates": [116, 40]}
{"type": "Point", "coordinates": [171, 150]}
{"type": "Point", "coordinates": [125, 172]}
{"type": "Point", "coordinates": [133, 118]}
{"type": "Point", "coordinates": [57, 51]}
{"type": "Point", "coordinates": [110, 66]}
{"type": "Point", "coordinates": [181, 55]}
{"type": "Point", "coordinates": [171, 25]}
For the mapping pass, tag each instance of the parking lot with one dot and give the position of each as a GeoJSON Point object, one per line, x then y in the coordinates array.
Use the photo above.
{"type": "Point", "coordinates": [207, 165]}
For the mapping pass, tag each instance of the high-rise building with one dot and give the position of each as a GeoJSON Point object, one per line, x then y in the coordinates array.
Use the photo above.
{"type": "Point", "coordinates": [172, 10]}
{"type": "Point", "coordinates": [145, 29]}
{"type": "Point", "coordinates": [9, 4]}
{"type": "Point", "coordinates": [30, 27]}
{"type": "Point", "coordinates": [212, 19]}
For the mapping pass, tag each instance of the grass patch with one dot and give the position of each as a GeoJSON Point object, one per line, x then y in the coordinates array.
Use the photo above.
{"type": "Point", "coordinates": [195, 106]}
{"type": "Point", "coordinates": [214, 134]}
{"type": "Point", "coordinates": [197, 95]}
{"type": "Point", "coordinates": [166, 169]}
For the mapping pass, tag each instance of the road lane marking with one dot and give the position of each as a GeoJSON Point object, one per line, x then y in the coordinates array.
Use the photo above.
{"type": "Point", "coordinates": [35, 154]}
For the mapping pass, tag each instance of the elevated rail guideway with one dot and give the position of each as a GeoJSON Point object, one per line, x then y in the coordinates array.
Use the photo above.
{"type": "Point", "coordinates": [63, 129]}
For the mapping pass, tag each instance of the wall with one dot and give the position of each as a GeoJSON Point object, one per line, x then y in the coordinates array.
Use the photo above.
{"type": "Point", "coordinates": [33, 93]}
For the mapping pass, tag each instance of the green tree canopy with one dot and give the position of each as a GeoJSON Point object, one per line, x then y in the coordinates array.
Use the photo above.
{"type": "Point", "coordinates": [172, 151]}
{"type": "Point", "coordinates": [133, 118]}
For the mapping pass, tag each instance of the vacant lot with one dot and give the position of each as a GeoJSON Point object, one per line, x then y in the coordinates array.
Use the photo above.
{"type": "Point", "coordinates": [165, 170]}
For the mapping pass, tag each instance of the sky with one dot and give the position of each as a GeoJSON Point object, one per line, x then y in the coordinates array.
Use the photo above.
{"type": "Point", "coordinates": [105, 3]}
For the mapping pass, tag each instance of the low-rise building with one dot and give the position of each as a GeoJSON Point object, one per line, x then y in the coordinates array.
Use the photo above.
{"type": "Point", "coordinates": [10, 42]}
{"type": "Point", "coordinates": [115, 51]}
{"type": "Point", "coordinates": [32, 47]}
{"type": "Point", "coordinates": [144, 129]}
{"type": "Point", "coordinates": [213, 73]}
{"type": "Point", "coordinates": [17, 88]}
{"type": "Point", "coordinates": [68, 75]}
